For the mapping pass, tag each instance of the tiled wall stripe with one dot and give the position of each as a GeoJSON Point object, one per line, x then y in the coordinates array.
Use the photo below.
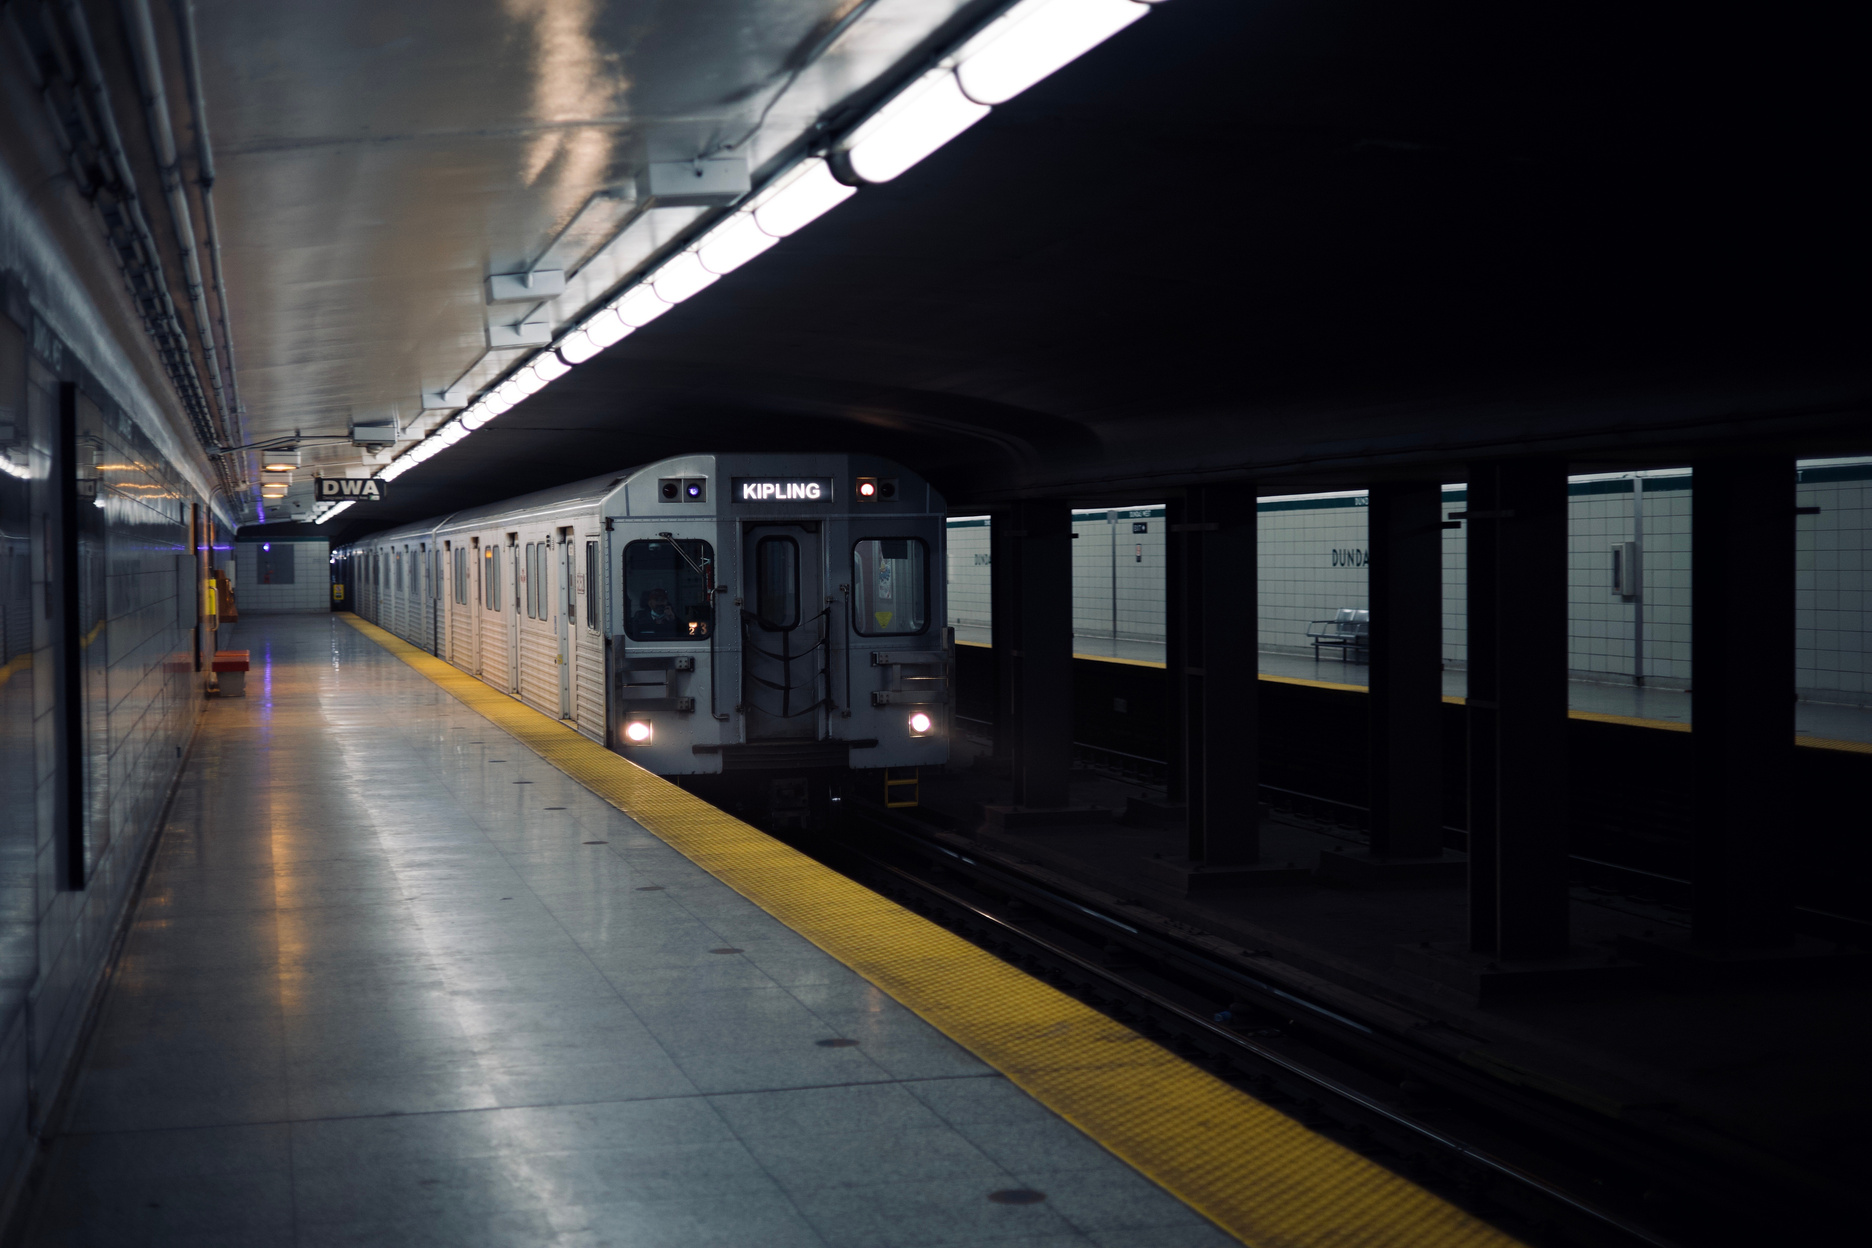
{"type": "Point", "coordinates": [1312, 563]}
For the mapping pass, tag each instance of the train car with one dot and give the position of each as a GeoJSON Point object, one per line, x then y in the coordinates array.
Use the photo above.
{"type": "Point", "coordinates": [775, 621]}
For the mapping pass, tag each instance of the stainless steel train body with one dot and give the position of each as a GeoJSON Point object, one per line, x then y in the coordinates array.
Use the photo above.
{"type": "Point", "coordinates": [700, 615]}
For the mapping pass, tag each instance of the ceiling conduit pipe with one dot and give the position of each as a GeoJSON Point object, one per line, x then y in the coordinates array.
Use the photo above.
{"type": "Point", "coordinates": [162, 136]}
{"type": "Point", "coordinates": [205, 180]}
{"type": "Point", "coordinates": [168, 326]}
{"type": "Point", "coordinates": [23, 47]}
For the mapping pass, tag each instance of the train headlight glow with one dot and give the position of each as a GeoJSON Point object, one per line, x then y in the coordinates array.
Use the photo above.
{"type": "Point", "coordinates": [921, 724]}
{"type": "Point", "coordinates": [637, 732]}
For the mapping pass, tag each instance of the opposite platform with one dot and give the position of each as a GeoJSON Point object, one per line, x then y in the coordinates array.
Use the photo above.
{"type": "Point", "coordinates": [406, 972]}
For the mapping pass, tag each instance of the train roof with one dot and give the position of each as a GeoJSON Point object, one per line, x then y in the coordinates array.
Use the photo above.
{"type": "Point", "coordinates": [591, 490]}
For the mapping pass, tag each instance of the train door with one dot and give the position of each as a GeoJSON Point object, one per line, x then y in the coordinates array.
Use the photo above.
{"type": "Point", "coordinates": [563, 600]}
{"type": "Point", "coordinates": [513, 613]}
{"type": "Point", "coordinates": [784, 630]}
{"type": "Point", "coordinates": [479, 596]}
{"type": "Point", "coordinates": [493, 625]}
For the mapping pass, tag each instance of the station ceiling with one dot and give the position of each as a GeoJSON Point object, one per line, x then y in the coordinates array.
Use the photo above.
{"type": "Point", "coordinates": [1304, 241]}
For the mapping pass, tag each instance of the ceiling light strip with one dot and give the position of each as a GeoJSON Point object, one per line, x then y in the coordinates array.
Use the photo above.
{"type": "Point", "coordinates": [1022, 46]}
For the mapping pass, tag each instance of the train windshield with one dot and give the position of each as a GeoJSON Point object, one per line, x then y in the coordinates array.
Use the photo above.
{"type": "Point", "coordinates": [666, 596]}
{"type": "Point", "coordinates": [890, 586]}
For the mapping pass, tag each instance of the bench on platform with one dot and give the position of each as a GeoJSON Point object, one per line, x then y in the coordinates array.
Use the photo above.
{"type": "Point", "coordinates": [230, 669]}
{"type": "Point", "coordinates": [1349, 631]}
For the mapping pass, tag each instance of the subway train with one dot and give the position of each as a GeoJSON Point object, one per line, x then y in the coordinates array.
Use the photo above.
{"type": "Point", "coordinates": [775, 622]}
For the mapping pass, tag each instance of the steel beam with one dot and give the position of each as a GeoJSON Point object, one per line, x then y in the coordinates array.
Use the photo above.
{"type": "Point", "coordinates": [1516, 521]}
{"type": "Point", "coordinates": [1742, 699]}
{"type": "Point", "coordinates": [1405, 570]}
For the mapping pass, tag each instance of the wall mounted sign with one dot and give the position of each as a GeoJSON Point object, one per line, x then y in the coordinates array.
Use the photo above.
{"type": "Point", "coordinates": [782, 489]}
{"type": "Point", "coordinates": [349, 490]}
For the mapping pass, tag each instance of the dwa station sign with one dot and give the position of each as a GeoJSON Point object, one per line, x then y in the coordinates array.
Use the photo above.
{"type": "Point", "coordinates": [349, 490]}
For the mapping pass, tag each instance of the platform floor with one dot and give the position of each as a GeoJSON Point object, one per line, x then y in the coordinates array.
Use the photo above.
{"type": "Point", "coordinates": [1826, 721]}
{"type": "Point", "coordinates": [397, 980]}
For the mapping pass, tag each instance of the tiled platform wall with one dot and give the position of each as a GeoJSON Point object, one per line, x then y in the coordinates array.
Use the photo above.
{"type": "Point", "coordinates": [309, 591]}
{"type": "Point", "coordinates": [1312, 562]}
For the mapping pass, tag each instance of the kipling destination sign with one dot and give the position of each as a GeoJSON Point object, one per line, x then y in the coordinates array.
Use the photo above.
{"type": "Point", "coordinates": [782, 489]}
{"type": "Point", "coordinates": [349, 490]}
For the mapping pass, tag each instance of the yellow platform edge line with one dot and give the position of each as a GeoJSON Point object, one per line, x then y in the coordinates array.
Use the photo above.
{"type": "Point", "coordinates": [1253, 1171]}
{"type": "Point", "coordinates": [1596, 717]}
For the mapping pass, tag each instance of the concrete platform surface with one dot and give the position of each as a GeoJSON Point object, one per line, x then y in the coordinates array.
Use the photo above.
{"type": "Point", "coordinates": [396, 980]}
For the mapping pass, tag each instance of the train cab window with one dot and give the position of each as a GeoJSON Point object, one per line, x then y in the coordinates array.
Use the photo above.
{"type": "Point", "coordinates": [776, 583]}
{"type": "Point", "coordinates": [490, 577]}
{"type": "Point", "coordinates": [890, 586]}
{"type": "Point", "coordinates": [666, 591]}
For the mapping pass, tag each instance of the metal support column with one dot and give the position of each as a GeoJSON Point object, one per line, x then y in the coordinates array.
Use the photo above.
{"type": "Point", "coordinates": [1216, 669]}
{"type": "Point", "coordinates": [1517, 707]}
{"type": "Point", "coordinates": [1031, 587]}
{"type": "Point", "coordinates": [1406, 702]}
{"type": "Point", "coordinates": [1742, 700]}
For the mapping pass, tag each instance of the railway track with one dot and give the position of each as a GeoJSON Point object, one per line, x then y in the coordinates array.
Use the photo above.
{"type": "Point", "coordinates": [1546, 1170]}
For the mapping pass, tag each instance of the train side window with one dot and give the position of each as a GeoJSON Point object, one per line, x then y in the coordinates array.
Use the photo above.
{"type": "Point", "coordinates": [665, 598]}
{"type": "Point", "coordinates": [776, 583]}
{"type": "Point", "coordinates": [490, 577]}
{"type": "Point", "coordinates": [591, 585]}
{"type": "Point", "coordinates": [528, 575]}
{"type": "Point", "coordinates": [890, 586]}
{"type": "Point", "coordinates": [461, 575]}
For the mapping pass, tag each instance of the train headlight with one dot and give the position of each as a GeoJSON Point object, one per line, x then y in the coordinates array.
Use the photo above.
{"type": "Point", "coordinates": [921, 725]}
{"type": "Point", "coordinates": [638, 732]}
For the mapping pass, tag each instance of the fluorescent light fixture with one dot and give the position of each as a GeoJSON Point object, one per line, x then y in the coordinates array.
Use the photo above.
{"type": "Point", "coordinates": [804, 195]}
{"type": "Point", "coordinates": [682, 277]}
{"type": "Point", "coordinates": [733, 243]}
{"type": "Point", "coordinates": [279, 461]}
{"type": "Point", "coordinates": [452, 433]}
{"type": "Point", "coordinates": [639, 306]}
{"type": "Point", "coordinates": [1033, 39]}
{"type": "Point", "coordinates": [926, 115]}
{"type": "Point", "coordinates": [527, 382]}
{"type": "Point", "coordinates": [593, 336]}
{"type": "Point", "coordinates": [577, 347]}
{"type": "Point", "coordinates": [607, 328]}
{"type": "Point", "coordinates": [548, 367]}
{"type": "Point", "coordinates": [334, 511]}
{"type": "Point", "coordinates": [495, 404]}
{"type": "Point", "coordinates": [477, 416]}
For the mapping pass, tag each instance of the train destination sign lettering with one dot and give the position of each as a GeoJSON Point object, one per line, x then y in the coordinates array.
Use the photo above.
{"type": "Point", "coordinates": [783, 489]}
{"type": "Point", "coordinates": [349, 490]}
